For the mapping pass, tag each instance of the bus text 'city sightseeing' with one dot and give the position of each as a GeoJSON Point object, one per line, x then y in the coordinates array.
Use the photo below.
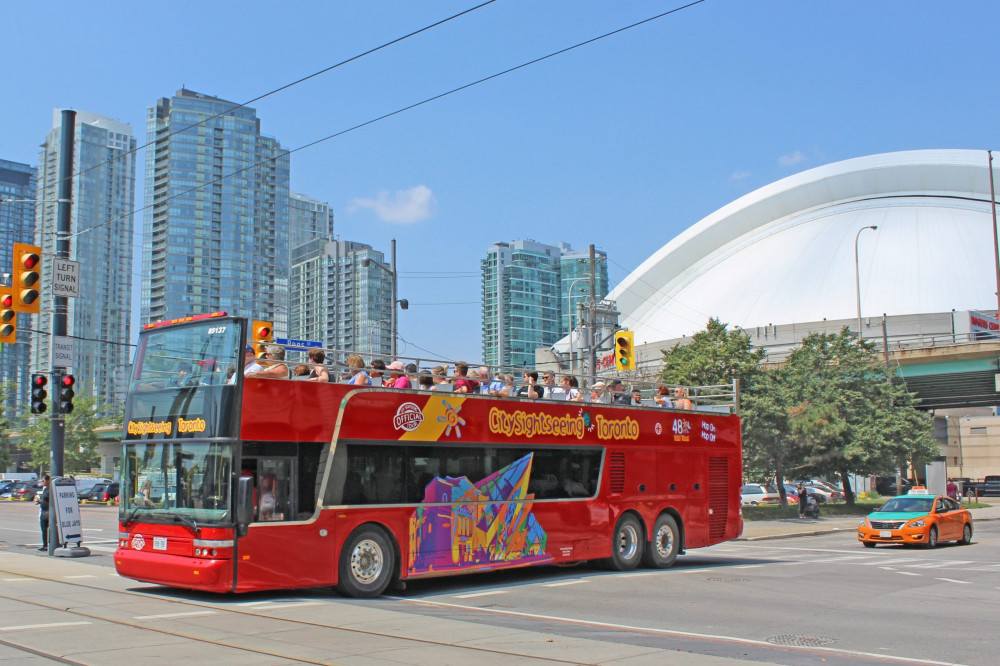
{"type": "Point", "coordinates": [233, 484]}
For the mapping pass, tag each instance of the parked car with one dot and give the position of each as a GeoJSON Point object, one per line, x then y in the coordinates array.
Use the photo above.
{"type": "Point", "coordinates": [6, 486]}
{"type": "Point", "coordinates": [103, 492]}
{"type": "Point", "coordinates": [85, 485]}
{"type": "Point", "coordinates": [886, 485]}
{"type": "Point", "coordinates": [757, 493]}
{"type": "Point", "coordinates": [919, 518]}
{"type": "Point", "coordinates": [824, 492]}
{"type": "Point", "coordinates": [792, 493]}
{"type": "Point", "coordinates": [26, 490]}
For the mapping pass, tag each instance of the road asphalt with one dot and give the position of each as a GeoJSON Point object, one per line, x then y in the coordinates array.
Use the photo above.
{"type": "Point", "coordinates": [41, 594]}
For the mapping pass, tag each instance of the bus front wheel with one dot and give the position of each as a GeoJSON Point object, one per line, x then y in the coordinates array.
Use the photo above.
{"type": "Point", "coordinates": [626, 544]}
{"type": "Point", "coordinates": [367, 562]}
{"type": "Point", "coordinates": [664, 544]}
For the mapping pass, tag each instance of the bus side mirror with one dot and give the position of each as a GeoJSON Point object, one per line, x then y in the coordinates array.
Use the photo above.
{"type": "Point", "coordinates": [244, 505]}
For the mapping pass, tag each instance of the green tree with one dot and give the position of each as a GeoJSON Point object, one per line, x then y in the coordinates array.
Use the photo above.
{"type": "Point", "coordinates": [766, 423]}
{"type": "Point", "coordinates": [848, 413]}
{"type": "Point", "coordinates": [713, 356]}
{"type": "Point", "coordinates": [80, 439]}
{"type": "Point", "coordinates": [7, 422]}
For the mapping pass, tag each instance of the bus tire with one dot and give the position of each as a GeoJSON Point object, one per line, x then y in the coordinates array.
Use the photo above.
{"type": "Point", "coordinates": [664, 543]}
{"type": "Point", "coordinates": [367, 563]}
{"type": "Point", "coordinates": [626, 544]}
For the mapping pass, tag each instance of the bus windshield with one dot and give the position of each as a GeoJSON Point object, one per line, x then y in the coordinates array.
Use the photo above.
{"type": "Point", "coordinates": [184, 382]}
{"type": "Point", "coordinates": [177, 482]}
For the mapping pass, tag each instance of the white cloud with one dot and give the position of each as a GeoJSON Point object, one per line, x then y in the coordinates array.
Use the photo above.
{"type": "Point", "coordinates": [791, 158]}
{"type": "Point", "coordinates": [740, 175]}
{"type": "Point", "coordinates": [405, 206]}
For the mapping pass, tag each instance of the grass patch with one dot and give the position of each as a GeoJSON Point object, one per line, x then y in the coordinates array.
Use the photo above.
{"type": "Point", "coordinates": [861, 507]}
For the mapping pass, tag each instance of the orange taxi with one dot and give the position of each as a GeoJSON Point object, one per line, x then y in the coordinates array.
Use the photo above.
{"type": "Point", "coordinates": [918, 517]}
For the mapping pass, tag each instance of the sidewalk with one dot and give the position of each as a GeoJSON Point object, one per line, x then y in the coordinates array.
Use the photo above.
{"type": "Point", "coordinates": [784, 528]}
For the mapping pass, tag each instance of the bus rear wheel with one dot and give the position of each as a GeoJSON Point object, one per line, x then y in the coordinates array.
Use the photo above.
{"type": "Point", "coordinates": [367, 563]}
{"type": "Point", "coordinates": [626, 544]}
{"type": "Point", "coordinates": [664, 544]}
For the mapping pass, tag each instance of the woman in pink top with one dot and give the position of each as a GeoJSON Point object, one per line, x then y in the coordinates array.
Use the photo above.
{"type": "Point", "coordinates": [397, 376]}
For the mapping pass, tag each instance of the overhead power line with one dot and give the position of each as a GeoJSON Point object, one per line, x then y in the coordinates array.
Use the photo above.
{"type": "Point", "coordinates": [289, 85]}
{"type": "Point", "coordinates": [403, 110]}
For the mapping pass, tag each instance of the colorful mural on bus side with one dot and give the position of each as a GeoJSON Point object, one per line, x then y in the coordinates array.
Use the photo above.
{"type": "Point", "coordinates": [495, 529]}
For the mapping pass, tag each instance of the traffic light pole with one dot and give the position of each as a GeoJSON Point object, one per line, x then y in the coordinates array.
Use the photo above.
{"type": "Point", "coordinates": [64, 211]}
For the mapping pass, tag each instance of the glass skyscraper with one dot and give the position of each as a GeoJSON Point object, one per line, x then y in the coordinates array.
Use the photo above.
{"type": "Point", "coordinates": [17, 225]}
{"type": "Point", "coordinates": [308, 219]}
{"type": "Point", "coordinates": [101, 226]}
{"type": "Point", "coordinates": [338, 301]}
{"type": "Point", "coordinates": [216, 227]}
{"type": "Point", "coordinates": [527, 300]}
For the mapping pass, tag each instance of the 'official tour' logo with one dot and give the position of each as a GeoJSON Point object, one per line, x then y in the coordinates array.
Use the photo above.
{"type": "Point", "coordinates": [138, 543]}
{"type": "Point", "coordinates": [408, 417]}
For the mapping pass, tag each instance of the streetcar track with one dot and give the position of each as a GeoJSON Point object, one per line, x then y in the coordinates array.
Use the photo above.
{"type": "Point", "coordinates": [245, 611]}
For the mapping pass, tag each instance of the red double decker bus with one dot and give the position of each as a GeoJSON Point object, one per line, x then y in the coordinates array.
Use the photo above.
{"type": "Point", "coordinates": [233, 484]}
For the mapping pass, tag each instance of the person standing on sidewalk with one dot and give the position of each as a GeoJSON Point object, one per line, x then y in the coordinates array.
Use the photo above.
{"type": "Point", "coordinates": [803, 498]}
{"type": "Point", "coordinates": [43, 514]}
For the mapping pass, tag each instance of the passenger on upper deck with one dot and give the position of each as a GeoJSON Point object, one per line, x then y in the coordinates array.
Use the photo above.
{"type": "Point", "coordinates": [318, 372]}
{"type": "Point", "coordinates": [662, 397]}
{"type": "Point", "coordinates": [300, 372]}
{"type": "Point", "coordinates": [636, 397]}
{"type": "Point", "coordinates": [599, 393]}
{"type": "Point", "coordinates": [396, 377]}
{"type": "Point", "coordinates": [462, 382]}
{"type": "Point", "coordinates": [496, 381]}
{"type": "Point", "coordinates": [377, 371]}
{"type": "Point", "coordinates": [572, 388]}
{"type": "Point", "coordinates": [681, 400]}
{"type": "Point", "coordinates": [531, 388]}
{"type": "Point", "coordinates": [618, 395]}
{"type": "Point", "coordinates": [440, 375]}
{"type": "Point", "coordinates": [549, 382]}
{"type": "Point", "coordinates": [358, 376]}
{"type": "Point", "coordinates": [250, 363]}
{"type": "Point", "coordinates": [426, 381]}
{"type": "Point", "coordinates": [274, 363]}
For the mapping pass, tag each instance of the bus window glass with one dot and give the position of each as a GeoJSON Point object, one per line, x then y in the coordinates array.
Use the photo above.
{"type": "Point", "coordinates": [174, 481]}
{"type": "Point", "coordinates": [183, 382]}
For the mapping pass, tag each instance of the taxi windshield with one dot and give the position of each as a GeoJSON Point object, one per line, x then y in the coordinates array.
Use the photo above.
{"type": "Point", "coordinates": [909, 505]}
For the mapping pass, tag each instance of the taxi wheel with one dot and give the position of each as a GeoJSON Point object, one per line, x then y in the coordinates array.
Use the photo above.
{"type": "Point", "coordinates": [869, 544]}
{"type": "Point", "coordinates": [932, 537]}
{"type": "Point", "coordinates": [966, 535]}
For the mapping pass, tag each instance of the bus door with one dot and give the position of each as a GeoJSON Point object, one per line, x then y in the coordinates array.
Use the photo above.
{"type": "Point", "coordinates": [278, 550]}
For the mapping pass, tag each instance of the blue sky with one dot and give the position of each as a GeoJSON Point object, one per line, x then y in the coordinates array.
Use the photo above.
{"type": "Point", "coordinates": [622, 143]}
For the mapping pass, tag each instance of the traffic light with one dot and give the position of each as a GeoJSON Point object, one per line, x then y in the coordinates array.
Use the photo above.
{"type": "Point", "coordinates": [27, 277]}
{"type": "Point", "coordinates": [261, 332]}
{"type": "Point", "coordinates": [66, 394]}
{"type": "Point", "coordinates": [624, 350]}
{"type": "Point", "coordinates": [38, 393]}
{"type": "Point", "coordinates": [8, 318]}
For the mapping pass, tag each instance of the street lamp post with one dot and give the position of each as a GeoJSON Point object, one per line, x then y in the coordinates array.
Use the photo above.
{"type": "Point", "coordinates": [857, 275]}
{"type": "Point", "coordinates": [403, 303]}
{"type": "Point", "coordinates": [572, 285]}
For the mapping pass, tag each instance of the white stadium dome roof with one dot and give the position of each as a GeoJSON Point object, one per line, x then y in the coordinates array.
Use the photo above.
{"type": "Point", "coordinates": [785, 253]}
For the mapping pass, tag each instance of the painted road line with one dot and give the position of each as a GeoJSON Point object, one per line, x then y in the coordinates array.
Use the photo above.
{"type": "Point", "coordinates": [82, 576]}
{"type": "Point", "coordinates": [939, 565]}
{"type": "Point", "coordinates": [952, 580]}
{"type": "Point", "coordinates": [907, 573]}
{"type": "Point", "coordinates": [43, 626]}
{"type": "Point", "coordinates": [889, 561]}
{"type": "Point", "coordinates": [166, 615]}
{"type": "Point", "coordinates": [299, 604]}
{"type": "Point", "coordinates": [15, 580]}
{"type": "Point", "coordinates": [564, 583]}
{"type": "Point", "coordinates": [480, 594]}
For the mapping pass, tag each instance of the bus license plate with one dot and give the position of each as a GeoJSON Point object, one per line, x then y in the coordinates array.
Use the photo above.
{"type": "Point", "coordinates": [885, 534]}
{"type": "Point", "coordinates": [159, 543]}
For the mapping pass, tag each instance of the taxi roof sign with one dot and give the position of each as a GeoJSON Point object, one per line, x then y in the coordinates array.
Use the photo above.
{"type": "Point", "coordinates": [918, 490]}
